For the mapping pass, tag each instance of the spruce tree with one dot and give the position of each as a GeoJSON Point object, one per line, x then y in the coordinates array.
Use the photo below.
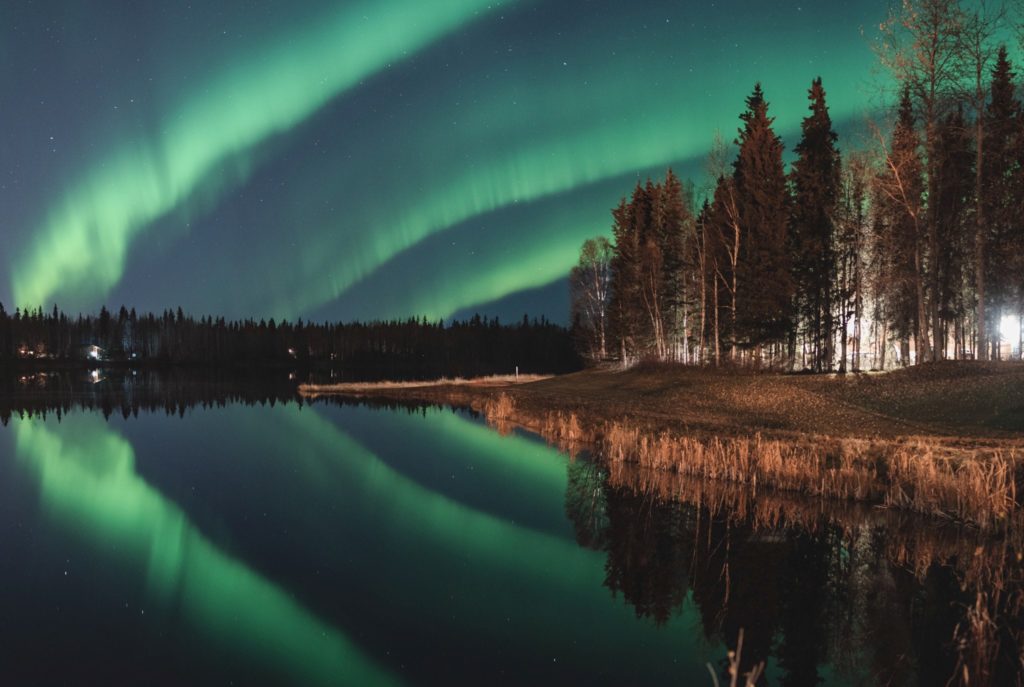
{"type": "Point", "coordinates": [765, 282]}
{"type": "Point", "coordinates": [647, 210]}
{"type": "Point", "coordinates": [997, 247]}
{"type": "Point", "coordinates": [675, 229]}
{"type": "Point", "coordinates": [816, 181]}
{"type": "Point", "coordinates": [624, 304]}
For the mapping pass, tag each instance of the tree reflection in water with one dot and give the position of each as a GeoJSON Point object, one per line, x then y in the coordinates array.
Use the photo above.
{"type": "Point", "coordinates": [823, 591]}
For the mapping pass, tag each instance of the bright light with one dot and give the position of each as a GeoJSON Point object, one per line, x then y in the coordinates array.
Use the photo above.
{"type": "Point", "coordinates": [1009, 328]}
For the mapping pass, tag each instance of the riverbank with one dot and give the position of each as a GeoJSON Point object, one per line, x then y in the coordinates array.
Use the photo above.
{"type": "Point", "coordinates": [944, 439]}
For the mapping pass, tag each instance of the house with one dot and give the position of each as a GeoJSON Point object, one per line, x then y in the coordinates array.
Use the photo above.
{"type": "Point", "coordinates": [89, 352]}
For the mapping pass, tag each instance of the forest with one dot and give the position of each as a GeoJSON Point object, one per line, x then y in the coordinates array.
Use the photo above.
{"type": "Point", "coordinates": [403, 349]}
{"type": "Point", "coordinates": [904, 250]}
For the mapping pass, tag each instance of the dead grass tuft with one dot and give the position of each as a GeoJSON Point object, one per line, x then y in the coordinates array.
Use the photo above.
{"type": "Point", "coordinates": [975, 485]}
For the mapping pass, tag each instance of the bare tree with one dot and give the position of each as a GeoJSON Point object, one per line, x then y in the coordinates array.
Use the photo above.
{"type": "Point", "coordinates": [701, 263]}
{"type": "Point", "coordinates": [981, 23]}
{"type": "Point", "coordinates": [721, 190]}
{"type": "Point", "coordinates": [728, 232]}
{"type": "Point", "coordinates": [851, 229]}
{"type": "Point", "coordinates": [922, 45]}
{"type": "Point", "coordinates": [589, 283]}
{"type": "Point", "coordinates": [898, 187]}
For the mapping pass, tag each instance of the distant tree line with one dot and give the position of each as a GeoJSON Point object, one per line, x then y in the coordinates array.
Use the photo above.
{"type": "Point", "coordinates": [171, 390]}
{"type": "Point", "coordinates": [910, 250]}
{"type": "Point", "coordinates": [409, 348]}
{"type": "Point", "coordinates": [128, 391]}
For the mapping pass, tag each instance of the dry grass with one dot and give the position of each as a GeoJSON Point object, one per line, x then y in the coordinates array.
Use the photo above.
{"type": "Point", "coordinates": [976, 485]}
{"type": "Point", "coordinates": [979, 486]}
{"type": "Point", "coordinates": [977, 642]}
{"type": "Point", "coordinates": [749, 679]}
{"type": "Point", "coordinates": [975, 401]}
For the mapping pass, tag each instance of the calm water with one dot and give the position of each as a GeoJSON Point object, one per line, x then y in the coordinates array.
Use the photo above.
{"type": "Point", "coordinates": [175, 532]}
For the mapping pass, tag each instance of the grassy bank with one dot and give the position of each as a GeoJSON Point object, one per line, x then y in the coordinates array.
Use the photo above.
{"type": "Point", "coordinates": [944, 439]}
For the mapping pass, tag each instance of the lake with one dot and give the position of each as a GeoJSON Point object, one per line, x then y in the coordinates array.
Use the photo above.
{"type": "Point", "coordinates": [167, 529]}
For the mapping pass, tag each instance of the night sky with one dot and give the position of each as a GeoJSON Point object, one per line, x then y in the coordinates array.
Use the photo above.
{"type": "Point", "coordinates": [372, 159]}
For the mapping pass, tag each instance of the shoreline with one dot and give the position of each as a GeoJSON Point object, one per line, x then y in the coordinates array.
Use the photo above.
{"type": "Point", "coordinates": [377, 388]}
{"type": "Point", "coordinates": [890, 444]}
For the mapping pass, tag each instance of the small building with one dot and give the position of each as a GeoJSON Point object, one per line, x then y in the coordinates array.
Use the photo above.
{"type": "Point", "coordinates": [89, 352]}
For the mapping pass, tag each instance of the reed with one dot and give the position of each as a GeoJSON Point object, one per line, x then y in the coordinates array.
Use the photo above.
{"type": "Point", "coordinates": [736, 678]}
{"type": "Point", "coordinates": [977, 643]}
{"type": "Point", "coordinates": [976, 485]}
{"type": "Point", "coordinates": [982, 489]}
{"type": "Point", "coordinates": [988, 640]}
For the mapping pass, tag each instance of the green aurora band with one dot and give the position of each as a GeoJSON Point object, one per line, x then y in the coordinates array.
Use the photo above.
{"type": "Point", "coordinates": [561, 579]}
{"type": "Point", "coordinates": [574, 131]}
{"type": "Point", "coordinates": [531, 174]}
{"type": "Point", "coordinates": [535, 256]}
{"type": "Point", "coordinates": [90, 485]}
{"type": "Point", "coordinates": [553, 145]}
{"type": "Point", "coordinates": [81, 249]}
{"type": "Point", "coordinates": [88, 482]}
{"type": "Point", "coordinates": [576, 120]}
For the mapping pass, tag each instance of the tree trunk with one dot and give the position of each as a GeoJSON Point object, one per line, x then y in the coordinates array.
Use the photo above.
{"type": "Point", "coordinates": [979, 240]}
{"type": "Point", "coordinates": [829, 334]}
{"type": "Point", "coordinates": [703, 303]}
{"type": "Point", "coordinates": [718, 358]}
{"type": "Point", "coordinates": [816, 344]}
{"type": "Point", "coordinates": [937, 345]}
{"type": "Point", "coordinates": [883, 349]}
{"type": "Point", "coordinates": [735, 262]}
{"type": "Point", "coordinates": [921, 338]}
{"type": "Point", "coordinates": [1020, 338]}
{"type": "Point", "coordinates": [858, 313]}
{"type": "Point", "coordinates": [732, 352]}
{"type": "Point", "coordinates": [842, 344]}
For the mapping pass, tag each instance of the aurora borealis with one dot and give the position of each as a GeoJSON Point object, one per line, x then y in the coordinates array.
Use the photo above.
{"type": "Point", "coordinates": [154, 510]}
{"type": "Point", "coordinates": [371, 159]}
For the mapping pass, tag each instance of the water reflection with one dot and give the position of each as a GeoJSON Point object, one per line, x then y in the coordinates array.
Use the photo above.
{"type": "Point", "coordinates": [825, 592]}
{"type": "Point", "coordinates": [88, 482]}
{"type": "Point", "coordinates": [126, 392]}
{"type": "Point", "coordinates": [435, 584]}
{"type": "Point", "coordinates": [530, 604]}
{"type": "Point", "coordinates": [349, 543]}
